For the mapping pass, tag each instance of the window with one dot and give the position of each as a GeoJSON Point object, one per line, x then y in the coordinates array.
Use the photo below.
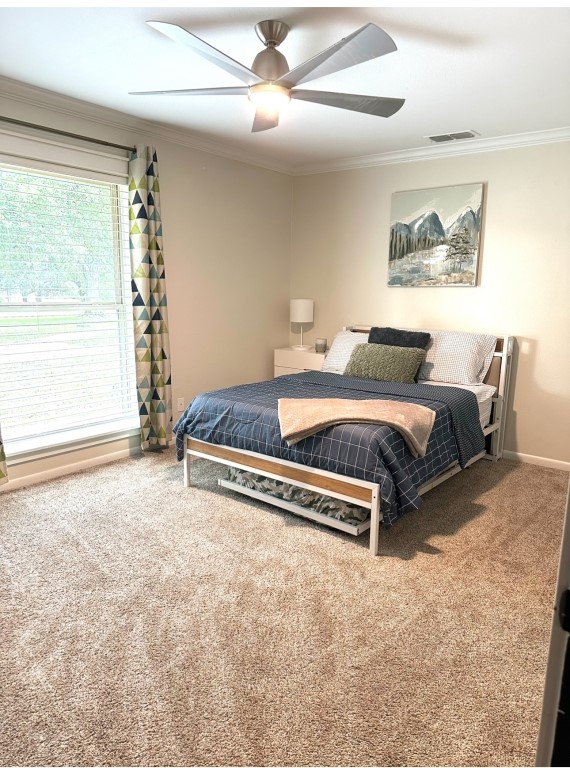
{"type": "Point", "coordinates": [67, 366]}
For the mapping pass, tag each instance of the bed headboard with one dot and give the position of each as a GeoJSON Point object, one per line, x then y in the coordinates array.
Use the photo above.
{"type": "Point", "coordinates": [502, 357]}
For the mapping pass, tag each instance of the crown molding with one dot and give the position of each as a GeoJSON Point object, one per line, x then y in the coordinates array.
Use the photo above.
{"type": "Point", "coordinates": [453, 149]}
{"type": "Point", "coordinates": [106, 118]}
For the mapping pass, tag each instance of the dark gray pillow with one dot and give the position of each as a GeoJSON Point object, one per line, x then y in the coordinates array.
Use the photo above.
{"type": "Point", "coordinates": [385, 363]}
{"type": "Point", "coordinates": [398, 338]}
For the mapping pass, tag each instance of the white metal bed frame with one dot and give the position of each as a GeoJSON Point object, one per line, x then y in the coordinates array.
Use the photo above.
{"type": "Point", "coordinates": [359, 492]}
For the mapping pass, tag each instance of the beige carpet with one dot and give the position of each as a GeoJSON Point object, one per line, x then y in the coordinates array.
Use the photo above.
{"type": "Point", "coordinates": [142, 623]}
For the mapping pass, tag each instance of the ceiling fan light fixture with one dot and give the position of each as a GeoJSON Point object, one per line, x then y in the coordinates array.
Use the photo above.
{"type": "Point", "coordinates": [269, 99]}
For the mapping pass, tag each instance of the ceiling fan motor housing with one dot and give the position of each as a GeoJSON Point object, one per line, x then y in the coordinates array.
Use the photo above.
{"type": "Point", "coordinates": [270, 64]}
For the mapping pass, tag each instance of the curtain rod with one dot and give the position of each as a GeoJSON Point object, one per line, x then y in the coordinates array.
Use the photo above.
{"type": "Point", "coordinates": [67, 133]}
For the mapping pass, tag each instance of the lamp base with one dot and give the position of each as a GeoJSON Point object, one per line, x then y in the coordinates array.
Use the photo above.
{"type": "Point", "coordinates": [301, 347]}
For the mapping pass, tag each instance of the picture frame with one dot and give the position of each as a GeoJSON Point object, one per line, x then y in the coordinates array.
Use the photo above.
{"type": "Point", "coordinates": [435, 237]}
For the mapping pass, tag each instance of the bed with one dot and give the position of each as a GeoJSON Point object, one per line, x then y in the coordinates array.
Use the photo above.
{"type": "Point", "coordinates": [357, 476]}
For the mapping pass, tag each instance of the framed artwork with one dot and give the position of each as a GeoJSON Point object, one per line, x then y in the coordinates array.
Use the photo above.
{"type": "Point", "coordinates": [435, 236]}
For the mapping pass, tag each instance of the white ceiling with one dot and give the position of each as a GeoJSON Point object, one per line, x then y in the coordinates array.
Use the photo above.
{"type": "Point", "coordinates": [497, 71]}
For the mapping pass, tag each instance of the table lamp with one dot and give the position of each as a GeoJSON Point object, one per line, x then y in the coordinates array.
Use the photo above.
{"type": "Point", "coordinates": [301, 311]}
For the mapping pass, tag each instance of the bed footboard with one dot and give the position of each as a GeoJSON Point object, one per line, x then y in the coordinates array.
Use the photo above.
{"type": "Point", "coordinates": [359, 492]}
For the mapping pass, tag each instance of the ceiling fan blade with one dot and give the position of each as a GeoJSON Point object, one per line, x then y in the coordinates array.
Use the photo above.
{"type": "Point", "coordinates": [370, 105]}
{"type": "Point", "coordinates": [264, 121]}
{"type": "Point", "coordinates": [368, 42]}
{"type": "Point", "coordinates": [207, 51]}
{"type": "Point", "coordinates": [238, 90]}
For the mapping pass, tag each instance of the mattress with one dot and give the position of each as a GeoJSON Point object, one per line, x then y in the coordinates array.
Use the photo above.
{"type": "Point", "coordinates": [245, 417]}
{"type": "Point", "coordinates": [483, 392]}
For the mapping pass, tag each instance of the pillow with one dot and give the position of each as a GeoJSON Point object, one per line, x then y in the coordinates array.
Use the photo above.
{"type": "Point", "coordinates": [488, 359]}
{"type": "Point", "coordinates": [384, 362]}
{"type": "Point", "coordinates": [397, 337]}
{"type": "Point", "coordinates": [340, 351]}
{"type": "Point", "coordinates": [454, 357]}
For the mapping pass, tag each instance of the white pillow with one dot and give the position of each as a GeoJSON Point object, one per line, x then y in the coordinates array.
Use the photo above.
{"type": "Point", "coordinates": [454, 357]}
{"type": "Point", "coordinates": [341, 349]}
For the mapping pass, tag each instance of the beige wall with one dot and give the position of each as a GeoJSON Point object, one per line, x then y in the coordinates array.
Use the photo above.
{"type": "Point", "coordinates": [340, 233]}
{"type": "Point", "coordinates": [226, 247]}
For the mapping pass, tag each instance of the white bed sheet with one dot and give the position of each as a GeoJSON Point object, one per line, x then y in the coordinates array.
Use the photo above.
{"type": "Point", "coordinates": [483, 392]}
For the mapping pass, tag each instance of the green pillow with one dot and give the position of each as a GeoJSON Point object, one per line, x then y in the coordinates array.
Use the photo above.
{"type": "Point", "coordinates": [384, 362]}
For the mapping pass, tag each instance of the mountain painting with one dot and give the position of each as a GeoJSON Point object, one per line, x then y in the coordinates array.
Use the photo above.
{"type": "Point", "coordinates": [434, 236]}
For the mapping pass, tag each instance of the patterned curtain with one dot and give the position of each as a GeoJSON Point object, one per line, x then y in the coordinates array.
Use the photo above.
{"type": "Point", "coordinates": [3, 467]}
{"type": "Point", "coordinates": [149, 300]}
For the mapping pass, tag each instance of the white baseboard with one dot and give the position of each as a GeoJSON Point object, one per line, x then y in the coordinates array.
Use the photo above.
{"type": "Point", "coordinates": [65, 469]}
{"type": "Point", "coordinates": [60, 471]}
{"type": "Point", "coordinates": [539, 460]}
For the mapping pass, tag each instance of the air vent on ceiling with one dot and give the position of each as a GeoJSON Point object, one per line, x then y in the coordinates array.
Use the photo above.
{"type": "Point", "coordinates": [452, 136]}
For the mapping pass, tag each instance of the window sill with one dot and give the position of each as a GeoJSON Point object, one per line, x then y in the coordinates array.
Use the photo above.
{"type": "Point", "coordinates": [30, 449]}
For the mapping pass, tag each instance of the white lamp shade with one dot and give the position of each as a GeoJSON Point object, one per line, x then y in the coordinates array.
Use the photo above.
{"type": "Point", "coordinates": [301, 310]}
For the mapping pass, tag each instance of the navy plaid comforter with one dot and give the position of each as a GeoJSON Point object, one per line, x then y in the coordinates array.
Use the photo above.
{"type": "Point", "coordinates": [246, 417]}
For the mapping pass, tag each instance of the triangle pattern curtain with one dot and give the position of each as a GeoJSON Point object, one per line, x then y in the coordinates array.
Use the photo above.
{"type": "Point", "coordinates": [3, 468]}
{"type": "Point", "coordinates": [149, 300]}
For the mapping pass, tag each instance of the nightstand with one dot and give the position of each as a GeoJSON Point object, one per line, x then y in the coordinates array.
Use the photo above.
{"type": "Point", "coordinates": [289, 360]}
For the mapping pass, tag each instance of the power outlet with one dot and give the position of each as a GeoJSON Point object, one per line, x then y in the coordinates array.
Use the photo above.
{"type": "Point", "coordinates": [180, 404]}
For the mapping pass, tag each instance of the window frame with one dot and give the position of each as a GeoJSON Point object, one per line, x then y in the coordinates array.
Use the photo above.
{"type": "Point", "coordinates": [37, 154]}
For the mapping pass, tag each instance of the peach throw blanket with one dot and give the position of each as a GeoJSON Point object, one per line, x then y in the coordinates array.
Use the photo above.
{"type": "Point", "coordinates": [300, 418]}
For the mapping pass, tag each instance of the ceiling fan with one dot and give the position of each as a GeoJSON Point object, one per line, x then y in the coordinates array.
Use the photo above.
{"type": "Point", "coordinates": [270, 84]}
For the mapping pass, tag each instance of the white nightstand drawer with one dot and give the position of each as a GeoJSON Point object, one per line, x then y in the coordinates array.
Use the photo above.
{"type": "Point", "coordinates": [296, 358]}
{"type": "Point", "coordinates": [288, 360]}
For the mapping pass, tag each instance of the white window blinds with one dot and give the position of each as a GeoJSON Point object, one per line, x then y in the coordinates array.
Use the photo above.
{"type": "Point", "coordinates": [66, 337]}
